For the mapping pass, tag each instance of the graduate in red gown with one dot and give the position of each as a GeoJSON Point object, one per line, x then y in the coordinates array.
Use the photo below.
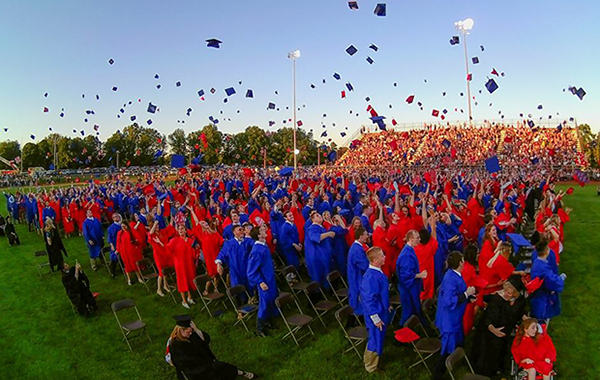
{"type": "Point", "coordinates": [127, 248]}
{"type": "Point", "coordinates": [380, 240]}
{"type": "Point", "coordinates": [211, 242]}
{"type": "Point", "coordinates": [471, 278]}
{"type": "Point", "coordinates": [140, 233]}
{"type": "Point", "coordinates": [68, 224]}
{"type": "Point", "coordinates": [490, 242]}
{"type": "Point", "coordinates": [533, 350]}
{"type": "Point", "coordinates": [180, 247]}
{"type": "Point", "coordinates": [158, 241]}
{"type": "Point", "coordinates": [425, 252]}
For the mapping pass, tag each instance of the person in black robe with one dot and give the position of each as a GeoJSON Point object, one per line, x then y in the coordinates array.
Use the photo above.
{"type": "Point", "coordinates": [54, 245]}
{"type": "Point", "coordinates": [77, 286]}
{"type": "Point", "coordinates": [11, 233]}
{"type": "Point", "coordinates": [190, 353]}
{"type": "Point", "coordinates": [504, 310]}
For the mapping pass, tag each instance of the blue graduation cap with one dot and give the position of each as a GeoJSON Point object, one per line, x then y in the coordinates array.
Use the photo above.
{"type": "Point", "coordinates": [178, 84]}
{"type": "Point", "coordinates": [332, 156]}
{"type": "Point", "coordinates": [446, 143]}
{"type": "Point", "coordinates": [177, 161]}
{"type": "Point", "coordinates": [158, 86]}
{"type": "Point", "coordinates": [158, 154]}
{"type": "Point", "coordinates": [353, 5]}
{"type": "Point", "coordinates": [213, 43]}
{"type": "Point", "coordinates": [559, 127]}
{"type": "Point", "coordinates": [349, 86]}
{"type": "Point", "coordinates": [379, 121]}
{"type": "Point", "coordinates": [201, 93]}
{"type": "Point", "coordinates": [492, 165]}
{"type": "Point", "coordinates": [475, 60]}
{"type": "Point", "coordinates": [32, 137]}
{"type": "Point", "coordinates": [539, 107]}
{"type": "Point", "coordinates": [343, 134]}
{"type": "Point", "coordinates": [535, 161]}
{"type": "Point", "coordinates": [271, 106]}
{"type": "Point", "coordinates": [580, 93]}
{"type": "Point", "coordinates": [197, 160]}
{"type": "Point", "coordinates": [312, 86]}
{"type": "Point", "coordinates": [324, 134]}
{"type": "Point", "coordinates": [156, 76]}
{"type": "Point", "coordinates": [370, 60]}
{"type": "Point", "coordinates": [380, 10]}
{"type": "Point", "coordinates": [111, 61]}
{"type": "Point", "coordinates": [51, 167]}
{"type": "Point", "coordinates": [114, 88]}
{"type": "Point", "coordinates": [230, 91]}
{"type": "Point", "coordinates": [455, 40]}
{"type": "Point", "coordinates": [531, 123]}
{"type": "Point", "coordinates": [481, 47]}
{"type": "Point", "coordinates": [149, 122]}
{"type": "Point", "coordinates": [133, 118]}
{"type": "Point", "coordinates": [351, 50]}
{"type": "Point", "coordinates": [374, 47]}
{"type": "Point", "coordinates": [518, 241]}
{"type": "Point", "coordinates": [491, 85]}
{"type": "Point", "coordinates": [337, 76]}
{"type": "Point", "coordinates": [287, 171]}
{"type": "Point", "coordinates": [97, 97]}
{"type": "Point", "coordinates": [250, 94]}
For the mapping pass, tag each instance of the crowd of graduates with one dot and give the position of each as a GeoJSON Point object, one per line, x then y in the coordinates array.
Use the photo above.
{"type": "Point", "coordinates": [451, 236]}
{"type": "Point", "coordinates": [456, 145]}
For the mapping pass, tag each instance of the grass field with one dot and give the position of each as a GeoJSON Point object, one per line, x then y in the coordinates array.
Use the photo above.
{"type": "Point", "coordinates": [43, 339]}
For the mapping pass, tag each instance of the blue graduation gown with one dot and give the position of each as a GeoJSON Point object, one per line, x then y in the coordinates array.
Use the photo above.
{"type": "Point", "coordinates": [48, 212]}
{"type": "Point", "coordinates": [111, 236]}
{"type": "Point", "coordinates": [375, 299]}
{"type": "Point", "coordinates": [407, 267]}
{"type": "Point", "coordinates": [318, 254]}
{"type": "Point", "coordinates": [228, 231]}
{"type": "Point", "coordinates": [338, 244]}
{"type": "Point", "coordinates": [364, 220]}
{"type": "Point", "coordinates": [234, 254]}
{"type": "Point", "coordinates": [287, 237]}
{"type": "Point", "coordinates": [545, 302]}
{"type": "Point", "coordinates": [261, 269]}
{"type": "Point", "coordinates": [92, 230]}
{"type": "Point", "coordinates": [357, 266]}
{"type": "Point", "coordinates": [551, 260]}
{"type": "Point", "coordinates": [357, 209]}
{"type": "Point", "coordinates": [451, 306]}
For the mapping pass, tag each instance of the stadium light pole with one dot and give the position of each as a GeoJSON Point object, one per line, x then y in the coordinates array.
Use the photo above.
{"type": "Point", "coordinates": [293, 56]}
{"type": "Point", "coordinates": [464, 27]}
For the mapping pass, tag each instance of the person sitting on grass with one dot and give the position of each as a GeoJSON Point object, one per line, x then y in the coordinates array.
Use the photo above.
{"type": "Point", "coordinates": [189, 351]}
{"type": "Point", "coordinates": [11, 233]}
{"type": "Point", "coordinates": [77, 286]}
{"type": "Point", "coordinates": [533, 350]}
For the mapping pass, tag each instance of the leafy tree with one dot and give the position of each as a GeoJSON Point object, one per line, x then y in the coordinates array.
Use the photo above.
{"type": "Point", "coordinates": [178, 142]}
{"type": "Point", "coordinates": [9, 149]}
{"type": "Point", "coordinates": [136, 144]}
{"type": "Point", "coordinates": [214, 144]}
{"type": "Point", "coordinates": [33, 156]}
{"type": "Point", "coordinates": [257, 141]}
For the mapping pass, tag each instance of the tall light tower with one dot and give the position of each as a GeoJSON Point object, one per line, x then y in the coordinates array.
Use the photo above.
{"type": "Point", "coordinates": [293, 56]}
{"type": "Point", "coordinates": [464, 27]}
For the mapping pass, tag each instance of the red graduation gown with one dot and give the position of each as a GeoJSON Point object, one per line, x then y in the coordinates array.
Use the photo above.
{"type": "Point", "coordinates": [183, 257]}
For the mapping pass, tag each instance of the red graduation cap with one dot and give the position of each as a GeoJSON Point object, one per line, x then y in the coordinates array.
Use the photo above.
{"type": "Point", "coordinates": [410, 99]}
{"type": "Point", "coordinates": [343, 94]}
{"type": "Point", "coordinates": [406, 335]}
{"type": "Point", "coordinates": [299, 123]}
{"type": "Point", "coordinates": [183, 171]}
{"type": "Point", "coordinates": [494, 72]}
{"type": "Point", "coordinates": [248, 172]}
{"type": "Point", "coordinates": [469, 77]}
{"type": "Point", "coordinates": [435, 113]}
{"type": "Point", "coordinates": [256, 217]}
{"type": "Point", "coordinates": [148, 189]}
{"type": "Point", "coordinates": [570, 190]}
{"type": "Point", "coordinates": [46, 109]}
{"type": "Point", "coordinates": [394, 122]}
{"type": "Point", "coordinates": [534, 285]}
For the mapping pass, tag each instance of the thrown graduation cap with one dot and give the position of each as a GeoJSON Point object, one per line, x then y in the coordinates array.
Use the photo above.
{"type": "Point", "coordinates": [492, 165]}
{"type": "Point", "coordinates": [151, 108]}
{"type": "Point", "coordinates": [132, 118]}
{"type": "Point", "coordinates": [351, 50]}
{"type": "Point", "coordinates": [410, 99]}
{"type": "Point", "coordinates": [201, 93]}
{"type": "Point", "coordinates": [349, 86]}
{"type": "Point", "coordinates": [475, 60]}
{"type": "Point", "coordinates": [183, 320]}
{"type": "Point", "coordinates": [446, 143]}
{"type": "Point", "coordinates": [149, 122]}
{"type": "Point", "coordinates": [481, 47]}
{"type": "Point", "coordinates": [115, 88]}
{"type": "Point", "coordinates": [178, 84]}
{"type": "Point", "coordinates": [455, 40]}
{"type": "Point", "coordinates": [343, 134]}
{"type": "Point", "coordinates": [32, 137]}
{"type": "Point", "coordinates": [370, 60]}
{"type": "Point", "coordinates": [287, 171]}
{"type": "Point", "coordinates": [213, 43]}
{"type": "Point", "coordinates": [530, 123]}
{"type": "Point", "coordinates": [353, 5]}
{"type": "Point", "coordinates": [374, 47]}
{"type": "Point", "coordinates": [491, 85]}
{"type": "Point", "coordinates": [324, 134]}
{"type": "Point", "coordinates": [230, 91]}
{"type": "Point", "coordinates": [271, 106]}
{"type": "Point", "coordinates": [250, 94]}
{"type": "Point", "coordinates": [379, 121]}
{"type": "Point", "coordinates": [580, 93]}
{"type": "Point", "coordinates": [380, 10]}
{"type": "Point", "coordinates": [539, 107]}
{"type": "Point", "coordinates": [156, 76]}
{"type": "Point", "coordinates": [312, 86]}
{"type": "Point", "coordinates": [158, 154]}
{"type": "Point", "coordinates": [337, 76]}
{"type": "Point", "coordinates": [332, 156]}
{"type": "Point", "coordinates": [435, 113]}
{"type": "Point", "coordinates": [158, 86]}
{"type": "Point", "coordinates": [111, 61]}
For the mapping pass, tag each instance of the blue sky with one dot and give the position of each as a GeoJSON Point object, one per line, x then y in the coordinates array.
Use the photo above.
{"type": "Point", "coordinates": [63, 47]}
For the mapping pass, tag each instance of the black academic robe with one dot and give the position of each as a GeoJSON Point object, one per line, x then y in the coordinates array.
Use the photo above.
{"type": "Point", "coordinates": [11, 233]}
{"type": "Point", "coordinates": [489, 351]}
{"type": "Point", "coordinates": [78, 291]}
{"type": "Point", "coordinates": [195, 359]}
{"type": "Point", "coordinates": [56, 249]}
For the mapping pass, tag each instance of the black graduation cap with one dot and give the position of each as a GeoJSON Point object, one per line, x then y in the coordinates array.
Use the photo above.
{"type": "Point", "coordinates": [351, 50]}
{"type": "Point", "coordinates": [183, 320]}
{"type": "Point", "coordinates": [188, 111]}
{"type": "Point", "coordinates": [230, 91]}
{"type": "Point", "coordinates": [343, 134]}
{"type": "Point", "coordinates": [111, 61]}
{"type": "Point", "coordinates": [531, 123]}
{"type": "Point", "coordinates": [353, 5]}
{"type": "Point", "coordinates": [178, 84]}
{"type": "Point", "coordinates": [337, 76]}
{"type": "Point", "coordinates": [374, 47]}
{"type": "Point", "coordinates": [481, 47]}
{"type": "Point", "coordinates": [213, 90]}
{"type": "Point", "coordinates": [368, 99]}
{"type": "Point", "coordinates": [271, 106]}
{"type": "Point", "coordinates": [46, 95]}
{"type": "Point", "coordinates": [324, 134]}
{"type": "Point", "coordinates": [158, 86]}
{"type": "Point", "coordinates": [225, 101]}
{"type": "Point", "coordinates": [580, 93]}
{"type": "Point", "coordinates": [156, 76]}
{"type": "Point", "coordinates": [349, 86]}
{"type": "Point", "coordinates": [97, 97]}
{"type": "Point", "coordinates": [540, 107]}
{"type": "Point", "coordinates": [151, 108]}
{"type": "Point", "coordinates": [312, 86]}
{"type": "Point", "coordinates": [249, 94]}
{"type": "Point", "coordinates": [214, 43]}
{"type": "Point", "coordinates": [475, 60]}
{"type": "Point", "coordinates": [114, 89]}
{"type": "Point", "coordinates": [491, 85]}
{"type": "Point", "coordinates": [133, 118]}
{"type": "Point", "coordinates": [380, 10]}
{"type": "Point", "coordinates": [455, 40]}
{"type": "Point", "coordinates": [370, 60]}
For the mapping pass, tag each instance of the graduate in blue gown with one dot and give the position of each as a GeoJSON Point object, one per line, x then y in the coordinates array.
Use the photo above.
{"type": "Point", "coordinates": [357, 266]}
{"type": "Point", "coordinates": [234, 254]}
{"type": "Point", "coordinates": [318, 250]}
{"type": "Point", "coordinates": [261, 275]}
{"type": "Point", "coordinates": [410, 280]}
{"type": "Point", "coordinates": [235, 221]}
{"type": "Point", "coordinates": [364, 218]}
{"type": "Point", "coordinates": [453, 297]}
{"type": "Point", "coordinates": [94, 237]}
{"type": "Point", "coordinates": [375, 300]}
{"type": "Point", "coordinates": [111, 235]}
{"type": "Point", "coordinates": [545, 301]}
{"type": "Point", "coordinates": [339, 245]}
{"type": "Point", "coordinates": [289, 241]}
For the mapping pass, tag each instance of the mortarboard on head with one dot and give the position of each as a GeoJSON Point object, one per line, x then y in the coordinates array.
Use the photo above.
{"type": "Point", "coordinates": [380, 10]}
{"type": "Point", "coordinates": [455, 40]}
{"type": "Point", "coordinates": [491, 85]}
{"type": "Point", "coordinates": [370, 60]}
{"type": "Point", "coordinates": [410, 99]}
{"type": "Point", "coordinates": [151, 108]}
{"type": "Point", "coordinates": [580, 93]}
{"type": "Point", "coordinates": [351, 50]}
{"type": "Point", "coordinates": [250, 94]}
{"type": "Point", "coordinates": [337, 76]}
{"type": "Point", "coordinates": [353, 5]}
{"type": "Point", "coordinates": [492, 165]}
{"type": "Point", "coordinates": [213, 43]}
{"type": "Point", "coordinates": [183, 320]}
{"type": "Point", "coordinates": [149, 122]}
{"type": "Point", "coordinates": [475, 60]}
{"type": "Point", "coordinates": [271, 106]}
{"type": "Point", "coordinates": [374, 47]}
{"type": "Point", "coordinates": [230, 91]}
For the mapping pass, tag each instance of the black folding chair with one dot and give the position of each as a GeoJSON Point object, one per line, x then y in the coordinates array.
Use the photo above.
{"type": "Point", "coordinates": [322, 306]}
{"type": "Point", "coordinates": [170, 280]}
{"type": "Point", "coordinates": [244, 312]}
{"type": "Point", "coordinates": [340, 292]}
{"type": "Point", "coordinates": [423, 346]}
{"type": "Point", "coordinates": [200, 282]}
{"type": "Point", "coordinates": [128, 328]}
{"type": "Point", "coordinates": [147, 271]}
{"type": "Point", "coordinates": [455, 357]}
{"type": "Point", "coordinates": [41, 258]}
{"type": "Point", "coordinates": [296, 321]}
{"type": "Point", "coordinates": [356, 335]}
